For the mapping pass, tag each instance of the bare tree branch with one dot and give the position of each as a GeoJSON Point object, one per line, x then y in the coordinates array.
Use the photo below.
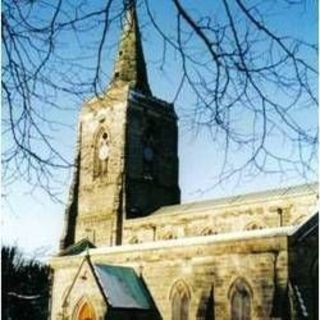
{"type": "Point", "coordinates": [250, 81]}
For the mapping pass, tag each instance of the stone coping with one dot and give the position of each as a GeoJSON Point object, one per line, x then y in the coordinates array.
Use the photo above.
{"type": "Point", "coordinates": [185, 242]}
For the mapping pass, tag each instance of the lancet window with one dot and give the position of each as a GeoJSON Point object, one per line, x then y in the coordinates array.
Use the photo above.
{"type": "Point", "coordinates": [180, 300]}
{"type": "Point", "coordinates": [240, 296]}
{"type": "Point", "coordinates": [101, 153]}
{"type": "Point", "coordinates": [149, 145]}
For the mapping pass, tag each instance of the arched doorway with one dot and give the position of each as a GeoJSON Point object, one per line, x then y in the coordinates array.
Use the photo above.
{"type": "Point", "coordinates": [86, 312]}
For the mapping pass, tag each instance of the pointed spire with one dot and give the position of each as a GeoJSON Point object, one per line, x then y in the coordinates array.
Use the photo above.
{"type": "Point", "coordinates": [130, 66]}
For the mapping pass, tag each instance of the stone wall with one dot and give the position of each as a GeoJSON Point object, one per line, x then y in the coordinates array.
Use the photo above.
{"type": "Point", "coordinates": [249, 212]}
{"type": "Point", "coordinates": [73, 288]}
{"type": "Point", "coordinates": [99, 196]}
{"type": "Point", "coordinates": [123, 188]}
{"type": "Point", "coordinates": [303, 269]}
{"type": "Point", "coordinates": [207, 265]}
{"type": "Point", "coordinates": [151, 183]}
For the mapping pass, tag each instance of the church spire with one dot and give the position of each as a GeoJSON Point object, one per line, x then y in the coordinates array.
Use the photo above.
{"type": "Point", "coordinates": [130, 66]}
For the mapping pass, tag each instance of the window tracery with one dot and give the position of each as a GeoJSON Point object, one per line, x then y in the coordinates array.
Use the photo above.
{"type": "Point", "coordinates": [240, 296]}
{"type": "Point", "coordinates": [134, 240]}
{"type": "Point", "coordinates": [206, 232]}
{"type": "Point", "coordinates": [254, 226]}
{"type": "Point", "coordinates": [180, 300]}
{"type": "Point", "coordinates": [169, 236]}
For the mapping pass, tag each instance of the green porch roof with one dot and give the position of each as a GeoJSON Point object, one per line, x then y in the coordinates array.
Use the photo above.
{"type": "Point", "coordinates": [122, 287]}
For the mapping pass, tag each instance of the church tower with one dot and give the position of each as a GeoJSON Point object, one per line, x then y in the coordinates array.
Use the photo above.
{"type": "Point", "coordinates": [127, 159]}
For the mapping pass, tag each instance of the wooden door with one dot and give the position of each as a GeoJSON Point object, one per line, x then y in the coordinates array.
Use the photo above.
{"type": "Point", "coordinates": [86, 312]}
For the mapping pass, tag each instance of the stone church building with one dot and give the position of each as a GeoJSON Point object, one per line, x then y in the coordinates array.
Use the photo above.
{"type": "Point", "coordinates": [130, 250]}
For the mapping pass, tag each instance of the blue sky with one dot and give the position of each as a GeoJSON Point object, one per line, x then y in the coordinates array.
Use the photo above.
{"type": "Point", "coordinates": [34, 222]}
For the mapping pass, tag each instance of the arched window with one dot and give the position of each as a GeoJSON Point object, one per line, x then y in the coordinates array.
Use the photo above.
{"type": "Point", "coordinates": [255, 225]}
{"type": "Point", "coordinates": [180, 300]}
{"type": "Point", "coordinates": [149, 144]}
{"type": "Point", "coordinates": [101, 153]}
{"type": "Point", "coordinates": [169, 236]}
{"type": "Point", "coordinates": [206, 231]}
{"type": "Point", "coordinates": [134, 240]}
{"type": "Point", "coordinates": [240, 299]}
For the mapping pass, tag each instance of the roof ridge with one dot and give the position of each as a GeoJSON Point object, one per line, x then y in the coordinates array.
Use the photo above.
{"type": "Point", "coordinates": [247, 195]}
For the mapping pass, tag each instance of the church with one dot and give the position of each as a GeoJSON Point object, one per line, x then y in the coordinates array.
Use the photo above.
{"type": "Point", "coordinates": [130, 250]}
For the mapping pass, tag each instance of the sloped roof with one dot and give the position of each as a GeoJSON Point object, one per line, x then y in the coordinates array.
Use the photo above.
{"type": "Point", "coordinates": [307, 228]}
{"type": "Point", "coordinates": [281, 193]}
{"type": "Point", "coordinates": [122, 287]}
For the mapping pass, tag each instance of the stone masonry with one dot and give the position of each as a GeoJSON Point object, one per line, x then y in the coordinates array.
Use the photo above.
{"type": "Point", "coordinates": [253, 254]}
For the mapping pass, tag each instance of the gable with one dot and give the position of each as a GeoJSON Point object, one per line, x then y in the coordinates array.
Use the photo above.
{"type": "Point", "coordinates": [114, 286]}
{"type": "Point", "coordinates": [84, 285]}
{"type": "Point", "coordinates": [83, 294]}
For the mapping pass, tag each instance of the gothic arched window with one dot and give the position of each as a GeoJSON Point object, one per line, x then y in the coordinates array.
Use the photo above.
{"type": "Point", "coordinates": [149, 144]}
{"type": "Point", "coordinates": [180, 300]}
{"type": "Point", "coordinates": [256, 225]}
{"type": "Point", "coordinates": [240, 296]}
{"type": "Point", "coordinates": [134, 240]}
{"type": "Point", "coordinates": [206, 231]}
{"type": "Point", "coordinates": [168, 236]}
{"type": "Point", "coordinates": [101, 153]}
